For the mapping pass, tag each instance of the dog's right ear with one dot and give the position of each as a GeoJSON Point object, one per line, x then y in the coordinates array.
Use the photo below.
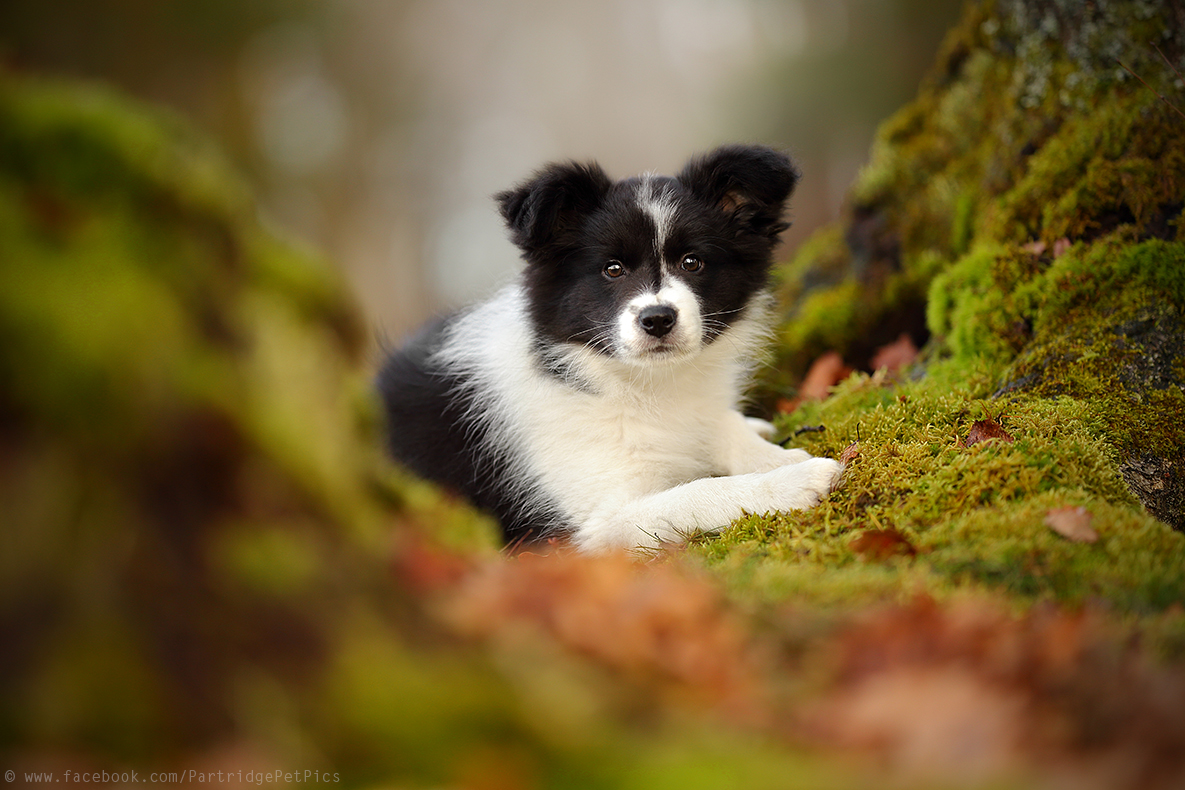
{"type": "Point", "coordinates": [542, 209]}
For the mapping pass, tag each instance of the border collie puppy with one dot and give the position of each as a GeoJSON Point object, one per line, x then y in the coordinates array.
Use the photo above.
{"type": "Point", "coordinates": [598, 397]}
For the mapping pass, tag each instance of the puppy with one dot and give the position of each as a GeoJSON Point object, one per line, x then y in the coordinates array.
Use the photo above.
{"type": "Point", "coordinates": [598, 396]}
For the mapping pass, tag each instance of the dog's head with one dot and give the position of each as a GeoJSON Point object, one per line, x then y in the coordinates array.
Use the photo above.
{"type": "Point", "coordinates": [651, 267]}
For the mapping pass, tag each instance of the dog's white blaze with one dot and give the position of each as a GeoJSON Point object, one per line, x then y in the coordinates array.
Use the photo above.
{"type": "Point", "coordinates": [659, 205]}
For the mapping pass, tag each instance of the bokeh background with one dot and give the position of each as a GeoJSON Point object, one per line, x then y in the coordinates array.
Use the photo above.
{"type": "Point", "coordinates": [376, 130]}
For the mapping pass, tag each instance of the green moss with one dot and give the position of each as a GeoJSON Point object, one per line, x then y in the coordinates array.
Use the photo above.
{"type": "Point", "coordinates": [1067, 145]}
{"type": "Point", "coordinates": [975, 514]}
{"type": "Point", "coordinates": [822, 260]}
{"type": "Point", "coordinates": [827, 318]}
{"type": "Point", "coordinates": [192, 488]}
{"type": "Point", "coordinates": [1134, 566]}
{"type": "Point", "coordinates": [1123, 162]}
{"type": "Point", "coordinates": [966, 307]}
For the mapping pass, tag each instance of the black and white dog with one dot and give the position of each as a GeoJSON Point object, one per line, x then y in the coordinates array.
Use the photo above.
{"type": "Point", "coordinates": [598, 397]}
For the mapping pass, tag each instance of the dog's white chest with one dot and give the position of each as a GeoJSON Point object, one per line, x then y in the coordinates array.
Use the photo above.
{"type": "Point", "coordinates": [594, 449]}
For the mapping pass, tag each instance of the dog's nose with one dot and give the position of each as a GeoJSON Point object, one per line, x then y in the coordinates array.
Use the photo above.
{"type": "Point", "coordinates": [658, 319]}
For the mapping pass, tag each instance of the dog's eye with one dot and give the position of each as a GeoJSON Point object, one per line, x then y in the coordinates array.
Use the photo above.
{"type": "Point", "coordinates": [691, 263]}
{"type": "Point", "coordinates": [614, 269]}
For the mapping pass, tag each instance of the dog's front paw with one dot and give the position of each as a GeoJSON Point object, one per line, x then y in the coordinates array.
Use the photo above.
{"type": "Point", "coordinates": [822, 476]}
{"type": "Point", "coordinates": [803, 484]}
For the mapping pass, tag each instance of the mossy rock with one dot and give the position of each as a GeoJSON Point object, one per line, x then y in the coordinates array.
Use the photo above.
{"type": "Point", "coordinates": [1022, 221]}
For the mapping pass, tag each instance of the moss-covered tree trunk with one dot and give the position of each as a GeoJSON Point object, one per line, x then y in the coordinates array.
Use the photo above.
{"type": "Point", "coordinates": [1024, 218]}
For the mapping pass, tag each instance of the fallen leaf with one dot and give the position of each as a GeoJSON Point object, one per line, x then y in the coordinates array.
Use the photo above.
{"type": "Point", "coordinates": [929, 722]}
{"type": "Point", "coordinates": [1072, 523]}
{"type": "Point", "coordinates": [881, 544]}
{"type": "Point", "coordinates": [896, 355]}
{"type": "Point", "coordinates": [787, 405]}
{"type": "Point", "coordinates": [1061, 247]}
{"type": "Point", "coordinates": [985, 431]}
{"type": "Point", "coordinates": [1034, 247]}
{"type": "Point", "coordinates": [850, 453]}
{"type": "Point", "coordinates": [827, 371]}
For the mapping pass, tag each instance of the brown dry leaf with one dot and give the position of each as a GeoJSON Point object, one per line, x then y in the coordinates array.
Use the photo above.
{"type": "Point", "coordinates": [1061, 247]}
{"type": "Point", "coordinates": [896, 355]}
{"type": "Point", "coordinates": [850, 453]}
{"type": "Point", "coordinates": [936, 691]}
{"type": "Point", "coordinates": [825, 372]}
{"type": "Point", "coordinates": [787, 405]}
{"type": "Point", "coordinates": [985, 431]}
{"type": "Point", "coordinates": [1072, 523]}
{"type": "Point", "coordinates": [881, 544]}
{"type": "Point", "coordinates": [928, 724]}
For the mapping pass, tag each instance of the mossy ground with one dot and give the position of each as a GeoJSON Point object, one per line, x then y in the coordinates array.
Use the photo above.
{"type": "Point", "coordinates": [975, 515]}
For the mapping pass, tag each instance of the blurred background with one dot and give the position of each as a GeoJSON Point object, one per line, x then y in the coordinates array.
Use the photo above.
{"type": "Point", "coordinates": [376, 130]}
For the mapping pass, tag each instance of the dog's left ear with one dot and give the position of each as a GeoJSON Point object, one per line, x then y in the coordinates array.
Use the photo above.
{"type": "Point", "coordinates": [749, 183]}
